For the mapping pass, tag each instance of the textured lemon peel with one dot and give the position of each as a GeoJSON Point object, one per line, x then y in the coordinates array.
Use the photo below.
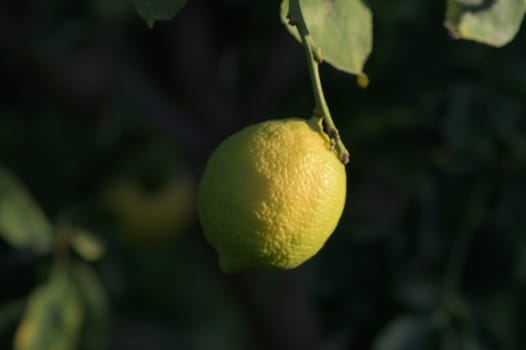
{"type": "Point", "coordinates": [271, 195]}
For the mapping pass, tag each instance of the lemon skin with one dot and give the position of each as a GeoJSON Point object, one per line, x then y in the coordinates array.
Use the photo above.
{"type": "Point", "coordinates": [271, 195]}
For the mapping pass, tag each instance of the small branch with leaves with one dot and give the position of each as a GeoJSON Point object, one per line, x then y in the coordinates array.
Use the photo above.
{"type": "Point", "coordinates": [314, 58]}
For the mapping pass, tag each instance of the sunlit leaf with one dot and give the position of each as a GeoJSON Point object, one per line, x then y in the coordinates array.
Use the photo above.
{"type": "Point", "coordinates": [53, 317]}
{"type": "Point", "coordinates": [341, 29]}
{"type": "Point", "coordinates": [492, 22]}
{"type": "Point", "coordinates": [87, 245]}
{"type": "Point", "coordinates": [158, 10]}
{"type": "Point", "coordinates": [22, 222]}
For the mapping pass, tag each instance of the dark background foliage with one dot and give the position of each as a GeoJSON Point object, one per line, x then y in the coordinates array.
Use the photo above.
{"type": "Point", "coordinates": [429, 253]}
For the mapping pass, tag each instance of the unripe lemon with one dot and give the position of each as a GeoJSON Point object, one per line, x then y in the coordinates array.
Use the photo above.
{"type": "Point", "coordinates": [151, 218]}
{"type": "Point", "coordinates": [271, 195]}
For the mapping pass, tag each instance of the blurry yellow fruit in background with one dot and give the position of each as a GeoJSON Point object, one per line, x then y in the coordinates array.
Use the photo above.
{"type": "Point", "coordinates": [152, 217]}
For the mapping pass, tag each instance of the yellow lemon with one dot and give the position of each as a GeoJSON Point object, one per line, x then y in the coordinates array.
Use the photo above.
{"type": "Point", "coordinates": [271, 195]}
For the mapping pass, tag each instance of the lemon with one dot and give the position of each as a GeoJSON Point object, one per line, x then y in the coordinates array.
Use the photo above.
{"type": "Point", "coordinates": [271, 195]}
{"type": "Point", "coordinates": [151, 218]}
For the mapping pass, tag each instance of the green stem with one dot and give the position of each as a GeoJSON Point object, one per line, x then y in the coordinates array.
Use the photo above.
{"type": "Point", "coordinates": [321, 109]}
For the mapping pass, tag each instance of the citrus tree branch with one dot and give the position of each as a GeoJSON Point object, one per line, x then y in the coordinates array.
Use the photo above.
{"type": "Point", "coordinates": [314, 58]}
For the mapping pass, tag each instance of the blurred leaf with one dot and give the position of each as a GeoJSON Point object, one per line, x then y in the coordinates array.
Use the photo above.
{"type": "Point", "coordinates": [453, 339]}
{"type": "Point", "coordinates": [95, 301]}
{"type": "Point", "coordinates": [87, 245]}
{"type": "Point", "coordinates": [113, 10]}
{"type": "Point", "coordinates": [341, 29]}
{"type": "Point", "coordinates": [158, 10]}
{"type": "Point", "coordinates": [499, 315]}
{"type": "Point", "coordinates": [22, 222]}
{"type": "Point", "coordinates": [53, 317]}
{"type": "Point", "coordinates": [11, 312]}
{"type": "Point", "coordinates": [406, 332]}
{"type": "Point", "coordinates": [417, 293]}
{"type": "Point", "coordinates": [470, 341]}
{"type": "Point", "coordinates": [492, 22]}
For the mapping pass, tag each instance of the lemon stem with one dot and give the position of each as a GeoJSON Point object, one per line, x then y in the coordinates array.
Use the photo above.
{"type": "Point", "coordinates": [314, 58]}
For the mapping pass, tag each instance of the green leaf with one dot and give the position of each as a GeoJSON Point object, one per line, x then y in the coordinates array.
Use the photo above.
{"type": "Point", "coordinates": [53, 317]}
{"type": "Point", "coordinates": [492, 22]}
{"type": "Point", "coordinates": [96, 306]}
{"type": "Point", "coordinates": [342, 31]}
{"type": "Point", "coordinates": [158, 10]}
{"type": "Point", "coordinates": [89, 247]}
{"type": "Point", "coordinates": [22, 222]}
{"type": "Point", "coordinates": [10, 312]}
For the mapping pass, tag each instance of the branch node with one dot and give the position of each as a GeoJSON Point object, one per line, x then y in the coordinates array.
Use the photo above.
{"type": "Point", "coordinates": [317, 55]}
{"type": "Point", "coordinates": [345, 158]}
{"type": "Point", "coordinates": [334, 134]}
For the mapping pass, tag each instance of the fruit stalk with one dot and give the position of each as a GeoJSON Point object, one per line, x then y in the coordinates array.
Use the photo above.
{"type": "Point", "coordinates": [314, 58]}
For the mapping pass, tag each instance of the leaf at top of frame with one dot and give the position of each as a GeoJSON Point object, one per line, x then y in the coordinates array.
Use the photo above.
{"type": "Point", "coordinates": [491, 22]}
{"type": "Point", "coordinates": [342, 31]}
{"type": "Point", "coordinates": [158, 10]}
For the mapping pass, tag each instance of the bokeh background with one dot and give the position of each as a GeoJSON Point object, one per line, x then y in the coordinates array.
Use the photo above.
{"type": "Point", "coordinates": [108, 126]}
